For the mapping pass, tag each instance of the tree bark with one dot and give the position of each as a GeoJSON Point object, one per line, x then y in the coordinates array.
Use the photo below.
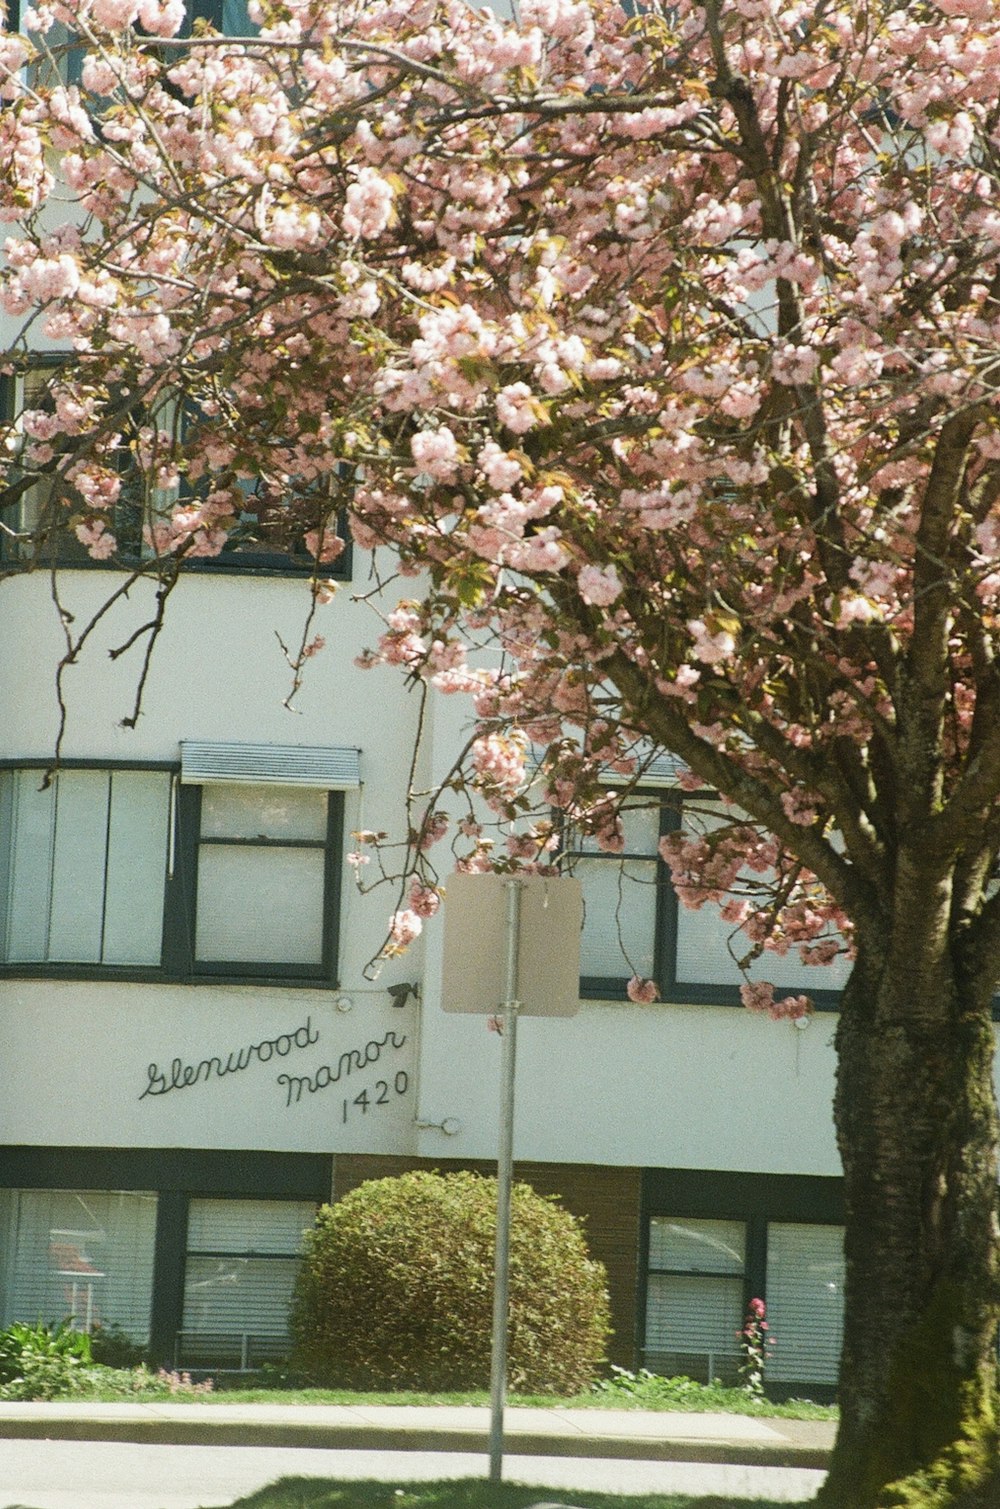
{"type": "Point", "coordinates": [917, 1127]}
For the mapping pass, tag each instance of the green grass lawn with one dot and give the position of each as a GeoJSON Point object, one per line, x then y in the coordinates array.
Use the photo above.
{"type": "Point", "coordinates": [622, 1391]}
{"type": "Point", "coordinates": [112, 1386]}
{"type": "Point", "coordinates": [469, 1493]}
{"type": "Point", "coordinates": [697, 1400]}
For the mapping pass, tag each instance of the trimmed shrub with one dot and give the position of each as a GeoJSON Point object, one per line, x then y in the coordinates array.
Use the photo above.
{"type": "Point", "coordinates": [396, 1290]}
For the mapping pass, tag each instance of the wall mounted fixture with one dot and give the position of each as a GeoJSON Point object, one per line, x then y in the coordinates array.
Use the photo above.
{"type": "Point", "coordinates": [401, 993]}
{"type": "Point", "coordinates": [450, 1126]}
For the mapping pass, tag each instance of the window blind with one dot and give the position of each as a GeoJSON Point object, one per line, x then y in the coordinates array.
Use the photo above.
{"type": "Point", "coordinates": [249, 1226]}
{"type": "Point", "coordinates": [693, 1315]}
{"type": "Point", "coordinates": [82, 1255]}
{"type": "Point", "coordinates": [694, 1296]}
{"type": "Point", "coordinates": [805, 1301]}
{"type": "Point", "coordinates": [240, 1272]}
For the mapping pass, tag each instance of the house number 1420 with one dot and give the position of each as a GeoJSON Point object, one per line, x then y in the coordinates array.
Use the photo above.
{"type": "Point", "coordinates": [383, 1089]}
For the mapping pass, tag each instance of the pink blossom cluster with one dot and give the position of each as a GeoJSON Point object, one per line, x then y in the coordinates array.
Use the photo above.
{"type": "Point", "coordinates": [498, 762]}
{"type": "Point", "coordinates": [635, 416]}
{"type": "Point", "coordinates": [404, 927]}
{"type": "Point", "coordinates": [759, 997]}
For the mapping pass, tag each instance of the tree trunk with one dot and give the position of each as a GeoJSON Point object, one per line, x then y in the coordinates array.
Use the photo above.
{"type": "Point", "coordinates": [917, 1128]}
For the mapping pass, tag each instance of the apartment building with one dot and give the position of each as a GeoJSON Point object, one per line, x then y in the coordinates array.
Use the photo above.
{"type": "Point", "coordinates": [196, 1057]}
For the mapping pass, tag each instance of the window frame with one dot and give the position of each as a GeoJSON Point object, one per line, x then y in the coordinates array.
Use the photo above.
{"type": "Point", "coordinates": [178, 964]}
{"type": "Point", "coordinates": [613, 987]}
{"type": "Point", "coordinates": [758, 1213]}
{"type": "Point", "coordinates": [231, 561]}
{"type": "Point", "coordinates": [28, 1268]}
{"type": "Point", "coordinates": [51, 551]}
{"type": "Point", "coordinates": [757, 1200]}
{"type": "Point", "coordinates": [673, 990]}
{"type": "Point", "coordinates": [712, 1277]}
{"type": "Point", "coordinates": [254, 1345]}
{"type": "Point", "coordinates": [181, 910]}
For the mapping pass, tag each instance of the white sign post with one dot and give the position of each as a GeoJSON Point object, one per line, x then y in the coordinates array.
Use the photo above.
{"type": "Point", "coordinates": [533, 923]}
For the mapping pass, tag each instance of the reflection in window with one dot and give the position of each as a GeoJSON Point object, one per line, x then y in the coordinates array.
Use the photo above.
{"type": "Point", "coordinates": [242, 1261]}
{"type": "Point", "coordinates": [85, 1256]}
{"type": "Point", "coordinates": [694, 1297]}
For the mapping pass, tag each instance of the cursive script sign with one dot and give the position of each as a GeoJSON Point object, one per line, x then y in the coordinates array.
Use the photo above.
{"type": "Point", "coordinates": [181, 1076]}
{"type": "Point", "coordinates": [348, 1063]}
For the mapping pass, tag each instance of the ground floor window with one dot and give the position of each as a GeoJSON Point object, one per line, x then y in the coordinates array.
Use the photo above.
{"type": "Point", "coordinates": [694, 1297]}
{"type": "Point", "coordinates": [805, 1301]}
{"type": "Point", "coordinates": [83, 1256]}
{"type": "Point", "coordinates": [240, 1269]}
{"type": "Point", "coordinates": [701, 1275]}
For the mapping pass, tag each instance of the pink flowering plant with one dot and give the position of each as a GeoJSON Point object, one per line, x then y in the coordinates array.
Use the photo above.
{"type": "Point", "coordinates": [755, 1342]}
{"type": "Point", "coordinates": [654, 358]}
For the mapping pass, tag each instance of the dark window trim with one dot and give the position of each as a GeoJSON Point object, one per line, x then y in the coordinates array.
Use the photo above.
{"type": "Point", "coordinates": [236, 562]}
{"type": "Point", "coordinates": [674, 991]}
{"type": "Point", "coordinates": [209, 1173]}
{"type": "Point", "coordinates": [39, 763]}
{"type": "Point", "coordinates": [177, 962]}
{"type": "Point", "coordinates": [247, 1252]}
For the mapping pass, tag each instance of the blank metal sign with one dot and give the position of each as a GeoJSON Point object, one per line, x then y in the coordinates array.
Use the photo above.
{"type": "Point", "coordinates": [475, 944]}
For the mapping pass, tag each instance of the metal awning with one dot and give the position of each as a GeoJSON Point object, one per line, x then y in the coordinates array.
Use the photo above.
{"type": "Point", "coordinates": [329, 767]}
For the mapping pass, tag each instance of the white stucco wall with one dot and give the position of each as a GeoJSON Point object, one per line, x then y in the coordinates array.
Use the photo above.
{"type": "Point", "coordinates": [95, 1065]}
{"type": "Point", "coordinates": [218, 671]}
{"type": "Point", "coordinates": [673, 1087]}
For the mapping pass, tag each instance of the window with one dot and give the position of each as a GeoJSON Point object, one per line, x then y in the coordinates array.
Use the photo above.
{"type": "Point", "coordinates": [82, 1255]}
{"type": "Point", "coordinates": [126, 870]}
{"type": "Point", "coordinates": [66, 49]}
{"type": "Point", "coordinates": [805, 1301]}
{"type": "Point", "coordinates": [265, 863]}
{"type": "Point", "coordinates": [228, 16]}
{"type": "Point", "coordinates": [39, 525]}
{"type": "Point", "coordinates": [242, 1260]}
{"type": "Point", "coordinates": [624, 897]}
{"type": "Point", "coordinates": [699, 1279]}
{"type": "Point", "coordinates": [695, 1297]}
{"type": "Point", "coordinates": [633, 922]}
{"type": "Point", "coordinates": [82, 866]}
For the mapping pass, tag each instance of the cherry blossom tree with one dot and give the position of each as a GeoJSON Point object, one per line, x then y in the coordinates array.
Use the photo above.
{"type": "Point", "coordinates": [662, 350]}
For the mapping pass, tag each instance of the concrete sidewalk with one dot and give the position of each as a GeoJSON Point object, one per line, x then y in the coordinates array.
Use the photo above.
{"type": "Point", "coordinates": [636, 1435]}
